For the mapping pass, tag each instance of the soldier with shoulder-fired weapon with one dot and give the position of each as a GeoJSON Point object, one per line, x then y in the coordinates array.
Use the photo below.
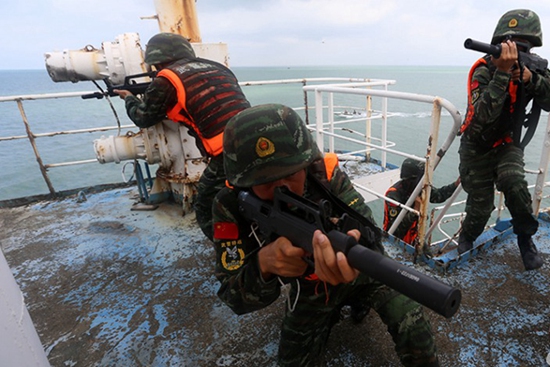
{"type": "Point", "coordinates": [500, 86]}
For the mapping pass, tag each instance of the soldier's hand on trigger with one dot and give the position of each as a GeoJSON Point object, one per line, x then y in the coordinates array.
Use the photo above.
{"type": "Point", "coordinates": [526, 74]}
{"type": "Point", "coordinates": [122, 93]}
{"type": "Point", "coordinates": [330, 266]}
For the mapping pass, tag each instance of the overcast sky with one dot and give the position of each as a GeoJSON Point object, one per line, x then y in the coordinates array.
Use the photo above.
{"type": "Point", "coordinates": [272, 32]}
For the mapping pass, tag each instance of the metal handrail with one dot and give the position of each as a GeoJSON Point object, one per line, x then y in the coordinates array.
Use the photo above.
{"type": "Point", "coordinates": [18, 99]}
{"type": "Point", "coordinates": [433, 156]}
{"type": "Point", "coordinates": [31, 136]}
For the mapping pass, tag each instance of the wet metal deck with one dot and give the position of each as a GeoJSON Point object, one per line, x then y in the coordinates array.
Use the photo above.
{"type": "Point", "coordinates": [107, 286]}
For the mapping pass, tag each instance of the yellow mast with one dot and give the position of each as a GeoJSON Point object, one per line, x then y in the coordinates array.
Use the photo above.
{"type": "Point", "coordinates": [180, 17]}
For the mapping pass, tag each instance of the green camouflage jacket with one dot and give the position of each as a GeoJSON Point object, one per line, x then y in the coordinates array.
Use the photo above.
{"type": "Point", "coordinates": [490, 101]}
{"type": "Point", "coordinates": [242, 287]}
{"type": "Point", "coordinates": [159, 97]}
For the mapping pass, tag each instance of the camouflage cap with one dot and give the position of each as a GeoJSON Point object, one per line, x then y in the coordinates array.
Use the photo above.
{"type": "Point", "coordinates": [411, 168]}
{"type": "Point", "coordinates": [265, 143]}
{"type": "Point", "coordinates": [167, 47]}
{"type": "Point", "coordinates": [519, 23]}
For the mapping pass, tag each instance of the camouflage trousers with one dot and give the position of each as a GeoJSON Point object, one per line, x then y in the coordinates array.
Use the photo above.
{"type": "Point", "coordinates": [211, 182]}
{"type": "Point", "coordinates": [306, 329]}
{"type": "Point", "coordinates": [480, 173]}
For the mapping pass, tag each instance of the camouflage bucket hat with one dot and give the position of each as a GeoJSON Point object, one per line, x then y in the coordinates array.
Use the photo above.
{"type": "Point", "coordinates": [167, 47]}
{"type": "Point", "coordinates": [519, 23]}
{"type": "Point", "coordinates": [411, 168]}
{"type": "Point", "coordinates": [266, 143]}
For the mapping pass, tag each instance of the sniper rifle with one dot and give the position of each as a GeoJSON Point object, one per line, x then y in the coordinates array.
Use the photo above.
{"type": "Point", "coordinates": [297, 218]}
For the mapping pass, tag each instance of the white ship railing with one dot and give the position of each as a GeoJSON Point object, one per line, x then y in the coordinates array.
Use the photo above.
{"type": "Point", "coordinates": [325, 127]}
{"type": "Point", "coordinates": [44, 167]}
{"type": "Point", "coordinates": [18, 99]}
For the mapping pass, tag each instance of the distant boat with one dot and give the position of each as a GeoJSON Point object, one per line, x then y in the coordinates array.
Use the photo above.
{"type": "Point", "coordinates": [351, 114]}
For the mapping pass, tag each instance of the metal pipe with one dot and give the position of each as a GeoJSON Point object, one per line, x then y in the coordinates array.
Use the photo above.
{"type": "Point", "coordinates": [43, 169]}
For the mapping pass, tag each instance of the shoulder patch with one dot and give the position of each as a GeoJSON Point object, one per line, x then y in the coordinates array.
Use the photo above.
{"type": "Point", "coordinates": [233, 255]}
{"type": "Point", "coordinates": [475, 95]}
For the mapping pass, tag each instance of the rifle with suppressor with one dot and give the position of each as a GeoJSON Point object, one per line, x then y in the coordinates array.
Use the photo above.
{"type": "Point", "coordinates": [297, 218]}
{"type": "Point", "coordinates": [129, 85]}
{"type": "Point", "coordinates": [534, 63]}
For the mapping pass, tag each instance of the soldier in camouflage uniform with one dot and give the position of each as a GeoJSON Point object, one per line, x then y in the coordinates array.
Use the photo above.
{"type": "Point", "coordinates": [268, 146]}
{"type": "Point", "coordinates": [411, 171]}
{"type": "Point", "coordinates": [488, 155]}
{"type": "Point", "coordinates": [201, 94]}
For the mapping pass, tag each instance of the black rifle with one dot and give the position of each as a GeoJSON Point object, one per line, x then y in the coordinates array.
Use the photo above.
{"type": "Point", "coordinates": [129, 85]}
{"type": "Point", "coordinates": [533, 62]}
{"type": "Point", "coordinates": [297, 218]}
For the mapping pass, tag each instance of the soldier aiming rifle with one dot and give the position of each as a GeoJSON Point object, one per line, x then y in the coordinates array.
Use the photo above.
{"type": "Point", "coordinates": [500, 86]}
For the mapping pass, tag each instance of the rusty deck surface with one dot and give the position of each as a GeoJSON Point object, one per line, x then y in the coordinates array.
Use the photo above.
{"type": "Point", "coordinates": [107, 286]}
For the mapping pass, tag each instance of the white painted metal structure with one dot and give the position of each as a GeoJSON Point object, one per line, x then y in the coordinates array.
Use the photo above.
{"type": "Point", "coordinates": [19, 343]}
{"type": "Point", "coordinates": [167, 144]}
{"type": "Point", "coordinates": [115, 60]}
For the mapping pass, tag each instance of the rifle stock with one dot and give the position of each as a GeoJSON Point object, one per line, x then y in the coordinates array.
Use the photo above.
{"type": "Point", "coordinates": [297, 218]}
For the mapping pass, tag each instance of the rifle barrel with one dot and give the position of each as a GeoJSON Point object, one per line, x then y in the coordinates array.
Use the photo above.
{"type": "Point", "coordinates": [428, 291]}
{"type": "Point", "coordinates": [487, 48]}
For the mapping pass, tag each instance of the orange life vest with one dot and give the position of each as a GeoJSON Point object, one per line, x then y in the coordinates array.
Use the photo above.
{"type": "Point", "coordinates": [204, 112]}
{"type": "Point", "coordinates": [331, 162]}
{"type": "Point", "coordinates": [512, 91]}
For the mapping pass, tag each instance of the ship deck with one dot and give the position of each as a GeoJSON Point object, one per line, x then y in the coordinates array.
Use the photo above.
{"type": "Point", "coordinates": [106, 285]}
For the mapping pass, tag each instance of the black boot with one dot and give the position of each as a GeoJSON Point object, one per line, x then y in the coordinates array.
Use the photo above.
{"type": "Point", "coordinates": [463, 244]}
{"type": "Point", "coordinates": [529, 254]}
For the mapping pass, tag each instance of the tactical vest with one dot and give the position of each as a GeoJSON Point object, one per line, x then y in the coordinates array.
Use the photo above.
{"type": "Point", "coordinates": [208, 96]}
{"type": "Point", "coordinates": [495, 135]}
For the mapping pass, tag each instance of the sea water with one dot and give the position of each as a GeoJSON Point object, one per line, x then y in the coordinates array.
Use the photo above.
{"type": "Point", "coordinates": [20, 175]}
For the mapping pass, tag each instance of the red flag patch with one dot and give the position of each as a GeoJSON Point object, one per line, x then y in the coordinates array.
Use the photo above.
{"type": "Point", "coordinates": [226, 231]}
